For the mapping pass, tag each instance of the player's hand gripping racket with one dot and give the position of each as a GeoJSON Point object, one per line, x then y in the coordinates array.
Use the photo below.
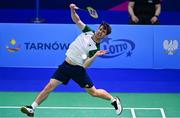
{"type": "Point", "coordinates": [92, 12]}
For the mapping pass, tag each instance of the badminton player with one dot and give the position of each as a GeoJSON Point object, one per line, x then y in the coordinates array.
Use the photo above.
{"type": "Point", "coordinates": [80, 55]}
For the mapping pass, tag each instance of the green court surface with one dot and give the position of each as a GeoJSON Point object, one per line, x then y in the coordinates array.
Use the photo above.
{"type": "Point", "coordinates": [82, 105]}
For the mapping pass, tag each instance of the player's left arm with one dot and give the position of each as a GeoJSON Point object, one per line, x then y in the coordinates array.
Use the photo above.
{"type": "Point", "coordinates": [89, 60]}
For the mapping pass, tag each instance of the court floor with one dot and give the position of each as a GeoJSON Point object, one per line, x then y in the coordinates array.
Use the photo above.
{"type": "Point", "coordinates": [82, 105]}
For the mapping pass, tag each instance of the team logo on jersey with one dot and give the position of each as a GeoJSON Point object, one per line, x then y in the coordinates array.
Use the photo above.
{"type": "Point", "coordinates": [89, 45]}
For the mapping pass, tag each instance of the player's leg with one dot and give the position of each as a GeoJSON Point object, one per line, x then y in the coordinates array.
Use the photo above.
{"type": "Point", "coordinates": [101, 93]}
{"type": "Point", "coordinates": [29, 110]}
{"type": "Point", "coordinates": [81, 77]}
{"type": "Point", "coordinates": [53, 83]}
{"type": "Point", "coordinates": [59, 77]}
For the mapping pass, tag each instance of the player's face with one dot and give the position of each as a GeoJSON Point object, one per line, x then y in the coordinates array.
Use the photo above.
{"type": "Point", "coordinates": [100, 33]}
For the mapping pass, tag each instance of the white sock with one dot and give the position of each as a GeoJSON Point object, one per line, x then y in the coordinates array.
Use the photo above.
{"type": "Point", "coordinates": [34, 105]}
{"type": "Point", "coordinates": [112, 99]}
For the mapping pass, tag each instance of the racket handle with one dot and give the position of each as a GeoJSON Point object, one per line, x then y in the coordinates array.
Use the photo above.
{"type": "Point", "coordinates": [80, 9]}
{"type": "Point", "coordinates": [76, 7]}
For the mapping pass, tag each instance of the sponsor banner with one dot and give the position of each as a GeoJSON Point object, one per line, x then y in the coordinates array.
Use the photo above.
{"type": "Point", "coordinates": [128, 46]}
{"type": "Point", "coordinates": [34, 45]}
{"type": "Point", "coordinates": [44, 45]}
{"type": "Point", "coordinates": [166, 47]}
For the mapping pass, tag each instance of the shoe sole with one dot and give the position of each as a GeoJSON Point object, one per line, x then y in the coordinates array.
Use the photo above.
{"type": "Point", "coordinates": [120, 105]}
{"type": "Point", "coordinates": [25, 111]}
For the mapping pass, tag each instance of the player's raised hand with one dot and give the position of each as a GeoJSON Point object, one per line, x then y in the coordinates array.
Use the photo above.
{"type": "Point", "coordinates": [73, 6]}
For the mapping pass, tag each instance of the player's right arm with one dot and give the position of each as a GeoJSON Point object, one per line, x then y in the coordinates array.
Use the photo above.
{"type": "Point", "coordinates": [75, 17]}
{"type": "Point", "coordinates": [89, 60]}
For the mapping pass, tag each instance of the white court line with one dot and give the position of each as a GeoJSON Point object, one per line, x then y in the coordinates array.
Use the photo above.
{"type": "Point", "coordinates": [96, 108]}
{"type": "Point", "coordinates": [15, 107]}
{"type": "Point", "coordinates": [163, 113]}
{"type": "Point", "coordinates": [133, 113]}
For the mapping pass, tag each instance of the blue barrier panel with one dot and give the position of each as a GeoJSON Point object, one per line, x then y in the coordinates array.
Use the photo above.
{"type": "Point", "coordinates": [34, 45]}
{"type": "Point", "coordinates": [166, 47]}
{"type": "Point", "coordinates": [30, 53]}
{"type": "Point", "coordinates": [43, 45]}
{"type": "Point", "coordinates": [127, 46]}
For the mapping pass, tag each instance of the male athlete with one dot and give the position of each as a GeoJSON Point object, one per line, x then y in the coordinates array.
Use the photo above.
{"type": "Point", "coordinates": [81, 53]}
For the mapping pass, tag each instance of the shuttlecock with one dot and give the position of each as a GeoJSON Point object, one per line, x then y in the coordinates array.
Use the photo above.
{"type": "Point", "coordinates": [84, 56]}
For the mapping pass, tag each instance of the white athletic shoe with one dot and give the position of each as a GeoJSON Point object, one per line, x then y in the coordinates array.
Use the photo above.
{"type": "Point", "coordinates": [28, 110]}
{"type": "Point", "coordinates": [117, 106]}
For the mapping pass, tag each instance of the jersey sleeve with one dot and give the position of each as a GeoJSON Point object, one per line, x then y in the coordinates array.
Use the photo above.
{"type": "Point", "coordinates": [92, 52]}
{"type": "Point", "coordinates": [87, 29]}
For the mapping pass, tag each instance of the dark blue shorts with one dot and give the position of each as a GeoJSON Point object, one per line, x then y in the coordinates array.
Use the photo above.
{"type": "Point", "coordinates": [66, 71]}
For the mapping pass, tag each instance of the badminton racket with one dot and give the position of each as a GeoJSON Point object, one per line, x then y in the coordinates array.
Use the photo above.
{"type": "Point", "coordinates": [92, 12]}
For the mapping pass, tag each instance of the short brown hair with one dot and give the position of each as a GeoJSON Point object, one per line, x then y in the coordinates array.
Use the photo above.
{"type": "Point", "coordinates": [106, 26]}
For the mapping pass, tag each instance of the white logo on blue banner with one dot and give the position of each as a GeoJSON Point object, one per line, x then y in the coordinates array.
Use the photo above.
{"type": "Point", "coordinates": [170, 46]}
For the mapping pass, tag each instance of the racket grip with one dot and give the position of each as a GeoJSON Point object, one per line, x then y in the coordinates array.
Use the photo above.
{"type": "Point", "coordinates": [76, 7]}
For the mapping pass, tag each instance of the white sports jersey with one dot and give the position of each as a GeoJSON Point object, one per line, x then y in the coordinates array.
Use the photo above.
{"type": "Point", "coordinates": [83, 46]}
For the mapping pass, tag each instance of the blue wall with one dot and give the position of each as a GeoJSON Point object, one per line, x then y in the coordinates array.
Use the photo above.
{"type": "Point", "coordinates": [63, 16]}
{"type": "Point", "coordinates": [57, 11]}
{"type": "Point", "coordinates": [111, 79]}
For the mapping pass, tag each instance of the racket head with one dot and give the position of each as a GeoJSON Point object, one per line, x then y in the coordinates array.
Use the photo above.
{"type": "Point", "coordinates": [92, 12]}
